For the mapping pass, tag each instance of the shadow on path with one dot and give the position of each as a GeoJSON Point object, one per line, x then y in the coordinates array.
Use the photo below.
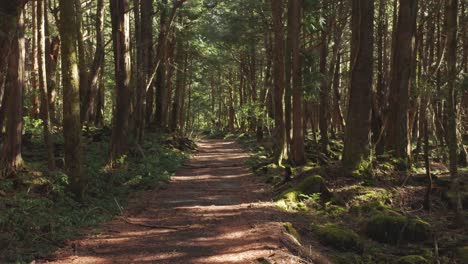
{"type": "Point", "coordinates": [212, 212]}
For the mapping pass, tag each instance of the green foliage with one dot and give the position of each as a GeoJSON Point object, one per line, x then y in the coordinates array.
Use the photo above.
{"type": "Point", "coordinates": [338, 237]}
{"type": "Point", "coordinates": [412, 259]}
{"type": "Point", "coordinates": [40, 215]}
{"type": "Point", "coordinates": [32, 125]}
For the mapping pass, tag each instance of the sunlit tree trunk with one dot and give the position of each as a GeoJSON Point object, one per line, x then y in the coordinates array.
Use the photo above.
{"type": "Point", "coordinates": [12, 26]}
{"type": "Point", "coordinates": [71, 97]}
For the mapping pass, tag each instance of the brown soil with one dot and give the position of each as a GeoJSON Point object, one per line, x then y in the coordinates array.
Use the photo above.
{"type": "Point", "coordinates": [211, 212]}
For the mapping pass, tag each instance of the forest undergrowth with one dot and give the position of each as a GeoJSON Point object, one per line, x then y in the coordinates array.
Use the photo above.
{"type": "Point", "coordinates": [376, 215]}
{"type": "Point", "coordinates": [38, 213]}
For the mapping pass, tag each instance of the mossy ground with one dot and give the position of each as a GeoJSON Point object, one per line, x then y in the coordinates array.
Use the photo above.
{"type": "Point", "coordinates": [375, 201]}
{"type": "Point", "coordinates": [38, 213]}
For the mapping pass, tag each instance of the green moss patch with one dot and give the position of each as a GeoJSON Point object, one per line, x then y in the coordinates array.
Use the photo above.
{"type": "Point", "coordinates": [313, 184]}
{"type": "Point", "coordinates": [412, 259]}
{"type": "Point", "coordinates": [393, 228]}
{"type": "Point", "coordinates": [462, 254]}
{"type": "Point", "coordinates": [292, 231]}
{"type": "Point", "coordinates": [339, 237]}
{"type": "Point", "coordinates": [312, 187]}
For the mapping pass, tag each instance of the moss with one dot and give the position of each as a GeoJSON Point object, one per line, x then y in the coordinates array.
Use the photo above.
{"type": "Point", "coordinates": [312, 184]}
{"type": "Point", "coordinates": [291, 195]}
{"type": "Point", "coordinates": [417, 230]}
{"type": "Point", "coordinates": [292, 231]}
{"type": "Point", "coordinates": [391, 228]}
{"type": "Point", "coordinates": [462, 254]}
{"type": "Point", "coordinates": [412, 259]}
{"type": "Point", "coordinates": [339, 237]}
{"type": "Point", "coordinates": [372, 208]}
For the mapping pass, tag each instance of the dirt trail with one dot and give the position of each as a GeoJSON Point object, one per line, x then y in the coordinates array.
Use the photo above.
{"type": "Point", "coordinates": [211, 212]}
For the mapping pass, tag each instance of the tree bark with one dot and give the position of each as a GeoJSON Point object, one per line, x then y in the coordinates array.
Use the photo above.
{"type": "Point", "coordinates": [297, 146]}
{"type": "Point", "coordinates": [41, 55]}
{"type": "Point", "coordinates": [90, 104]}
{"type": "Point", "coordinates": [280, 152]}
{"type": "Point", "coordinates": [397, 139]}
{"type": "Point", "coordinates": [71, 97]}
{"type": "Point", "coordinates": [122, 63]}
{"type": "Point", "coordinates": [357, 133]}
{"type": "Point", "coordinates": [451, 16]}
{"type": "Point", "coordinates": [13, 41]}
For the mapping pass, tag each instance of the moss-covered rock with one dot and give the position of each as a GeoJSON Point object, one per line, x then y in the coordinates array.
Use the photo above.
{"type": "Point", "coordinates": [292, 231]}
{"type": "Point", "coordinates": [412, 259]}
{"type": "Point", "coordinates": [462, 254]}
{"type": "Point", "coordinates": [339, 237]}
{"type": "Point", "coordinates": [392, 228]}
{"type": "Point", "coordinates": [313, 184]}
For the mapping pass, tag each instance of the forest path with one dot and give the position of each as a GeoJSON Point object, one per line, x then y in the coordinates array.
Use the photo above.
{"type": "Point", "coordinates": [212, 212]}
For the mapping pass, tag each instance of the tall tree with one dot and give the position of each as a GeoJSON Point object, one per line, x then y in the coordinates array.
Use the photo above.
{"type": "Point", "coordinates": [451, 16]}
{"type": "Point", "coordinates": [278, 80]}
{"type": "Point", "coordinates": [71, 97]}
{"type": "Point", "coordinates": [12, 46]}
{"type": "Point", "coordinates": [297, 145]}
{"type": "Point", "coordinates": [90, 104]}
{"type": "Point", "coordinates": [42, 72]}
{"type": "Point", "coordinates": [122, 66]}
{"type": "Point", "coordinates": [397, 138]}
{"type": "Point", "coordinates": [358, 121]}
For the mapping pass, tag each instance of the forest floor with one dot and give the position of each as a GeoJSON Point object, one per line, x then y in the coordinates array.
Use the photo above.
{"type": "Point", "coordinates": [212, 211]}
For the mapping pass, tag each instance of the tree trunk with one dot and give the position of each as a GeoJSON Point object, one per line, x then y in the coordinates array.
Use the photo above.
{"type": "Point", "coordinates": [297, 148]}
{"type": "Point", "coordinates": [451, 16]}
{"type": "Point", "coordinates": [41, 55]}
{"type": "Point", "coordinates": [280, 152]}
{"type": "Point", "coordinates": [71, 97]}
{"type": "Point", "coordinates": [34, 111]}
{"type": "Point", "coordinates": [324, 93]}
{"type": "Point", "coordinates": [122, 63]}
{"type": "Point", "coordinates": [96, 69]}
{"type": "Point", "coordinates": [397, 140]}
{"type": "Point", "coordinates": [357, 133]}
{"type": "Point", "coordinates": [10, 159]}
{"type": "Point", "coordinates": [161, 71]}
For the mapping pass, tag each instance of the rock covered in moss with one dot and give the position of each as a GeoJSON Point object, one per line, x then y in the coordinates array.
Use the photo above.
{"type": "Point", "coordinates": [393, 228]}
{"type": "Point", "coordinates": [412, 259]}
{"type": "Point", "coordinates": [339, 237]}
{"type": "Point", "coordinates": [313, 184]}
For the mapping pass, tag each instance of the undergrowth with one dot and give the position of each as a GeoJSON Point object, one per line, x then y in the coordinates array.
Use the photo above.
{"type": "Point", "coordinates": [38, 213]}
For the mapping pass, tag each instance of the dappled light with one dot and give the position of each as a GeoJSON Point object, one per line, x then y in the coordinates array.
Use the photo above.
{"type": "Point", "coordinates": [209, 214]}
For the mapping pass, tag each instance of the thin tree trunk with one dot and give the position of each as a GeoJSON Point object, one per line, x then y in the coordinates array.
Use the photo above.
{"type": "Point", "coordinates": [96, 68]}
{"type": "Point", "coordinates": [451, 16]}
{"type": "Point", "coordinates": [45, 115]}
